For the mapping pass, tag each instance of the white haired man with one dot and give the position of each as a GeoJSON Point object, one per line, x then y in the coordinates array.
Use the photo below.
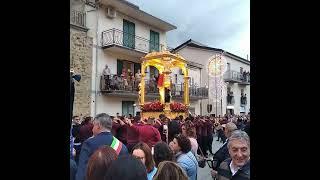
{"type": "Point", "coordinates": [238, 166]}
{"type": "Point", "coordinates": [102, 136]}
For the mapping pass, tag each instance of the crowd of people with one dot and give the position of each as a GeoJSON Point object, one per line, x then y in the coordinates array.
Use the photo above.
{"type": "Point", "coordinates": [127, 80]}
{"type": "Point", "coordinates": [120, 147]}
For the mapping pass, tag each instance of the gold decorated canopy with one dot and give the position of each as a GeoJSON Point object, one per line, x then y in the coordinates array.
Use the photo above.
{"type": "Point", "coordinates": [164, 61]}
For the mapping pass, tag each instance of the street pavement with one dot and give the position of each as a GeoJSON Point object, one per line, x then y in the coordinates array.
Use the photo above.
{"type": "Point", "coordinates": [205, 173]}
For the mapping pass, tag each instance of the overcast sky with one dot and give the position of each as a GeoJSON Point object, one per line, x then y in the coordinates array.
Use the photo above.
{"type": "Point", "coordinates": [223, 24]}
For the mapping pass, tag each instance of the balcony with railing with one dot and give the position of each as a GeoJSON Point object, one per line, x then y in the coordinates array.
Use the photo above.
{"type": "Point", "coordinates": [78, 20]}
{"type": "Point", "coordinates": [120, 87]}
{"type": "Point", "coordinates": [236, 77]}
{"type": "Point", "coordinates": [119, 41]}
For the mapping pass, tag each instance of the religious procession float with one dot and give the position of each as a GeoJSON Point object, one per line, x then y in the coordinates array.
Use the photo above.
{"type": "Point", "coordinates": [164, 62]}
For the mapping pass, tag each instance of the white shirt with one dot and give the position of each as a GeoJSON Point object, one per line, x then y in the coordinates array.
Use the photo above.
{"type": "Point", "coordinates": [233, 169]}
{"type": "Point", "coordinates": [106, 72]}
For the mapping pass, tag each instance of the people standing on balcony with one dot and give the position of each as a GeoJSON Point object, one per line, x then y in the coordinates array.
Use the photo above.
{"type": "Point", "coordinates": [124, 81]}
{"type": "Point", "coordinates": [119, 83]}
{"type": "Point", "coordinates": [106, 75]}
{"type": "Point", "coordinates": [137, 79]}
{"type": "Point", "coordinates": [244, 75]}
{"type": "Point", "coordinates": [113, 82]}
{"type": "Point", "coordinates": [130, 80]}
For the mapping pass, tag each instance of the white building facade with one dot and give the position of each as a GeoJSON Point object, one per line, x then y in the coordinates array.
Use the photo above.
{"type": "Point", "coordinates": [122, 34]}
{"type": "Point", "coordinates": [236, 96]}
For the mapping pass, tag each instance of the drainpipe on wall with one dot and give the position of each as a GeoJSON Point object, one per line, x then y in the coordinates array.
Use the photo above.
{"type": "Point", "coordinates": [97, 45]}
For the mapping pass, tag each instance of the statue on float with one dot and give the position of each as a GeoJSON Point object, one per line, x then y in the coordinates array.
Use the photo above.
{"type": "Point", "coordinates": [164, 61]}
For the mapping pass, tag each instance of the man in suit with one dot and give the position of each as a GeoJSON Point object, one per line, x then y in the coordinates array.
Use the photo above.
{"type": "Point", "coordinates": [223, 153]}
{"type": "Point", "coordinates": [102, 136]}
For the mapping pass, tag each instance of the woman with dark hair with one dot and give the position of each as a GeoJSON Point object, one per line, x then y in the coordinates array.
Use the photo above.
{"type": "Point", "coordinates": [99, 162]}
{"type": "Point", "coordinates": [162, 152]}
{"type": "Point", "coordinates": [126, 168]}
{"type": "Point", "coordinates": [142, 152]}
{"type": "Point", "coordinates": [86, 129]}
{"type": "Point", "coordinates": [170, 171]}
{"type": "Point", "coordinates": [181, 146]}
{"type": "Point", "coordinates": [188, 129]}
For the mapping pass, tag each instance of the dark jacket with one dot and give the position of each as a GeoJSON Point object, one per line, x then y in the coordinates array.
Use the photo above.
{"type": "Point", "coordinates": [247, 128]}
{"type": "Point", "coordinates": [73, 169]}
{"type": "Point", "coordinates": [90, 146]}
{"type": "Point", "coordinates": [76, 132]}
{"type": "Point", "coordinates": [224, 172]}
{"type": "Point", "coordinates": [222, 154]}
{"type": "Point", "coordinates": [85, 132]}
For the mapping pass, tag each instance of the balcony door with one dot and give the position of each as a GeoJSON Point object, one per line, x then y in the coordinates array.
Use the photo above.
{"type": "Point", "coordinates": [127, 108]}
{"type": "Point", "coordinates": [128, 34]}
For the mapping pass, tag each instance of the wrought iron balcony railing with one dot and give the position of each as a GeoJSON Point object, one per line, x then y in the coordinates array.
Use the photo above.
{"type": "Point", "coordinates": [234, 76]}
{"type": "Point", "coordinates": [78, 18]}
{"type": "Point", "coordinates": [117, 37]}
{"type": "Point", "coordinates": [127, 86]}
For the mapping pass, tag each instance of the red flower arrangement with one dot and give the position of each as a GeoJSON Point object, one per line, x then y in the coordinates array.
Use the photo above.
{"type": "Point", "coordinates": [178, 107]}
{"type": "Point", "coordinates": [153, 107]}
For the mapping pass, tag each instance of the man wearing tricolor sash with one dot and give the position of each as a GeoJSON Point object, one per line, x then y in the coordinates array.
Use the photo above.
{"type": "Point", "coordinates": [102, 136]}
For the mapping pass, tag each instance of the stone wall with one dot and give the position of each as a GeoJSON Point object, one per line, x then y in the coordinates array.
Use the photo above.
{"type": "Point", "coordinates": [81, 62]}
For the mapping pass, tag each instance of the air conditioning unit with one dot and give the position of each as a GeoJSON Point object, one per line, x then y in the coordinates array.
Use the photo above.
{"type": "Point", "coordinates": [111, 12]}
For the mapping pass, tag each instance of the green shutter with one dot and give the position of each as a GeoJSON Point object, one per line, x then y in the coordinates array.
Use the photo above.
{"type": "Point", "coordinates": [154, 41]}
{"type": "Point", "coordinates": [128, 34]}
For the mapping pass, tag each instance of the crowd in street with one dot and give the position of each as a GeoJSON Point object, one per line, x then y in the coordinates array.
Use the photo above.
{"type": "Point", "coordinates": [159, 148]}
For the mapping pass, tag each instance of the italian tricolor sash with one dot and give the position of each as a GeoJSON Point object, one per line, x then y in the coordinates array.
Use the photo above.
{"type": "Point", "coordinates": [116, 145]}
